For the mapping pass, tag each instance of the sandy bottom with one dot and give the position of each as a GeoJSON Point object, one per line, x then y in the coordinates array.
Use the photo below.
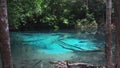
{"type": "Point", "coordinates": [33, 59]}
{"type": "Point", "coordinates": [36, 60]}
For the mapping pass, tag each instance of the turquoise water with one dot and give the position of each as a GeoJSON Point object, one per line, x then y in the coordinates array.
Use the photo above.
{"type": "Point", "coordinates": [54, 46]}
{"type": "Point", "coordinates": [56, 42]}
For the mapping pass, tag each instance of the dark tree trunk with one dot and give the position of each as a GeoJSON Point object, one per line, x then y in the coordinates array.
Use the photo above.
{"type": "Point", "coordinates": [117, 24]}
{"type": "Point", "coordinates": [108, 46]}
{"type": "Point", "coordinates": [4, 36]}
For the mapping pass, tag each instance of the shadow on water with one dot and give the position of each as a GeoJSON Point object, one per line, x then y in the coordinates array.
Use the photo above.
{"type": "Point", "coordinates": [29, 48]}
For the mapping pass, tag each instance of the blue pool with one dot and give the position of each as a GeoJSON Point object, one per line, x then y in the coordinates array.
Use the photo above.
{"type": "Point", "coordinates": [30, 47]}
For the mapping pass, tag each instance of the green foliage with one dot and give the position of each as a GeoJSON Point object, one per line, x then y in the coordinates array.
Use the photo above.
{"type": "Point", "coordinates": [55, 13]}
{"type": "Point", "coordinates": [18, 10]}
{"type": "Point", "coordinates": [86, 25]}
{"type": "Point", "coordinates": [98, 8]}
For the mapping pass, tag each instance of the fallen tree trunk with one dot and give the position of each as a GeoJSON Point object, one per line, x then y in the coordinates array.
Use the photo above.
{"type": "Point", "coordinates": [66, 64]}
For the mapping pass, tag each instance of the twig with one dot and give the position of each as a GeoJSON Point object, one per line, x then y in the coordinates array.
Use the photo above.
{"type": "Point", "coordinates": [36, 64]}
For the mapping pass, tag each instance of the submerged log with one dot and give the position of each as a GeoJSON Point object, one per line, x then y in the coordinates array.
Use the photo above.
{"type": "Point", "coordinates": [65, 64]}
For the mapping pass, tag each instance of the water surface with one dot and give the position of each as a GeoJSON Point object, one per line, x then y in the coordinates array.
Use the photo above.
{"type": "Point", "coordinates": [29, 48]}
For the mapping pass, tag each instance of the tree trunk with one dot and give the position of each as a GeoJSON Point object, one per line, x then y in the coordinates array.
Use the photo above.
{"type": "Point", "coordinates": [117, 24]}
{"type": "Point", "coordinates": [4, 36]}
{"type": "Point", "coordinates": [108, 46]}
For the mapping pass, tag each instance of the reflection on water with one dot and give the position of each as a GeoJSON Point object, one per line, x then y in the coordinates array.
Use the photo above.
{"type": "Point", "coordinates": [47, 47]}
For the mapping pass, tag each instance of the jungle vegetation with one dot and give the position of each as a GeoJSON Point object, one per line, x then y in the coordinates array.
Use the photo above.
{"type": "Point", "coordinates": [85, 15]}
